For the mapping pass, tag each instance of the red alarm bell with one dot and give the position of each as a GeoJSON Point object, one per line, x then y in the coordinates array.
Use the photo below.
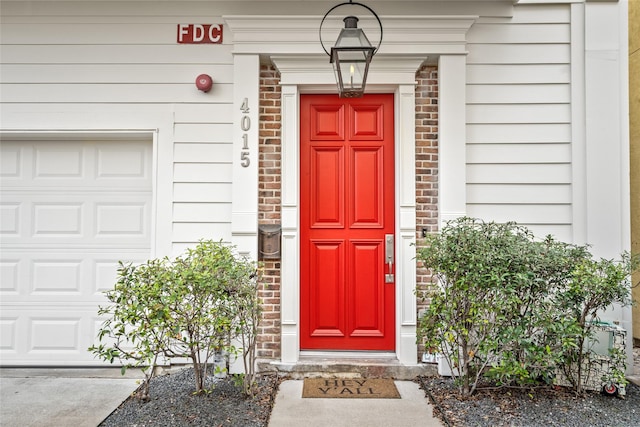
{"type": "Point", "coordinates": [204, 82]}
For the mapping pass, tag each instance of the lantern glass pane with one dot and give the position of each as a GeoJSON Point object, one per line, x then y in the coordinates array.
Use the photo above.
{"type": "Point", "coordinates": [351, 55]}
{"type": "Point", "coordinates": [352, 75]}
{"type": "Point", "coordinates": [352, 37]}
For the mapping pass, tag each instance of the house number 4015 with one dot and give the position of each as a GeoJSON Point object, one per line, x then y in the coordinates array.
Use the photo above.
{"type": "Point", "coordinates": [245, 125]}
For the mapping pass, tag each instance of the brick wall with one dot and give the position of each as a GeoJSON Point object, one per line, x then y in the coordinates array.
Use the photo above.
{"type": "Point", "coordinates": [269, 202]}
{"type": "Point", "coordinates": [426, 165]}
{"type": "Point", "coordinates": [270, 186]}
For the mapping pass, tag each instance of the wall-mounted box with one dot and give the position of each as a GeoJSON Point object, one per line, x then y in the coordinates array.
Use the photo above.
{"type": "Point", "coordinates": [269, 236]}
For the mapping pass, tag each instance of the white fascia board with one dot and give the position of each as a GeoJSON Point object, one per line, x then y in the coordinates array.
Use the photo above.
{"type": "Point", "coordinates": [282, 35]}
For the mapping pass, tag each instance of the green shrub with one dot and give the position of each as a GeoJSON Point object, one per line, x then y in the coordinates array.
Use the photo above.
{"type": "Point", "coordinates": [190, 307]}
{"type": "Point", "coordinates": [508, 306]}
{"type": "Point", "coordinates": [594, 286]}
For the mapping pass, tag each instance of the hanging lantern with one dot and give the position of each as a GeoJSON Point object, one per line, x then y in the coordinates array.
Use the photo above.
{"type": "Point", "coordinates": [351, 54]}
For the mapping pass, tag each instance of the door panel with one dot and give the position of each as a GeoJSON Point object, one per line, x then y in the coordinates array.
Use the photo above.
{"type": "Point", "coordinates": [346, 209]}
{"type": "Point", "coordinates": [327, 165]}
{"type": "Point", "coordinates": [367, 303]}
{"type": "Point", "coordinates": [366, 184]}
{"type": "Point", "coordinates": [327, 313]}
{"type": "Point", "coordinates": [367, 123]}
{"type": "Point", "coordinates": [327, 123]}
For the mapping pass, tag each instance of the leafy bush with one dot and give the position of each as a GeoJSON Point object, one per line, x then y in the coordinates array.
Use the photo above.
{"type": "Point", "coordinates": [594, 286]}
{"type": "Point", "coordinates": [508, 306]}
{"type": "Point", "coordinates": [190, 307]}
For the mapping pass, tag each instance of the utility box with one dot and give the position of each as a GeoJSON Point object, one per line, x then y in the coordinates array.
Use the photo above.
{"type": "Point", "coordinates": [597, 369]}
{"type": "Point", "coordinates": [444, 369]}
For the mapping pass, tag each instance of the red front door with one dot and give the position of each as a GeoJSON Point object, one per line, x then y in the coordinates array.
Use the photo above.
{"type": "Point", "coordinates": [346, 213]}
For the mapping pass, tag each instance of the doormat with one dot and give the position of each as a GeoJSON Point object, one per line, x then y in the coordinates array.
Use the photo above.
{"type": "Point", "coordinates": [357, 388]}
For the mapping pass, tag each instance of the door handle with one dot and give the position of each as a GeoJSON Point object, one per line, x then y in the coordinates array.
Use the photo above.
{"type": "Point", "coordinates": [389, 252]}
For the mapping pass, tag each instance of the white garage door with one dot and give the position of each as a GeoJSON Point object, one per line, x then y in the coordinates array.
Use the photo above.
{"type": "Point", "coordinates": [70, 209]}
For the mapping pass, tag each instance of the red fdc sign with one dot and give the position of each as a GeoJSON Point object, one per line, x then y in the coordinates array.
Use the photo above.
{"type": "Point", "coordinates": [199, 33]}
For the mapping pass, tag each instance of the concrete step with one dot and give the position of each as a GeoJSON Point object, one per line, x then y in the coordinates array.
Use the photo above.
{"type": "Point", "coordinates": [314, 366]}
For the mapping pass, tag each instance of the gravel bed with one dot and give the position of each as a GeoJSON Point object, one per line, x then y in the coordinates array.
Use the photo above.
{"type": "Point", "coordinates": [535, 407]}
{"type": "Point", "coordinates": [172, 403]}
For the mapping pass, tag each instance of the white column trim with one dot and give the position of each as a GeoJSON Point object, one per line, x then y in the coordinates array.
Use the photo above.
{"type": "Point", "coordinates": [578, 126]}
{"type": "Point", "coordinates": [607, 139]}
{"type": "Point", "coordinates": [290, 271]}
{"type": "Point", "coordinates": [452, 137]}
{"type": "Point", "coordinates": [405, 149]}
{"type": "Point", "coordinates": [244, 199]}
{"type": "Point", "coordinates": [625, 170]}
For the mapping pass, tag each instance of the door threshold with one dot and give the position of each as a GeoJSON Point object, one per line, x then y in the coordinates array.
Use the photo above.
{"type": "Point", "coordinates": [347, 354]}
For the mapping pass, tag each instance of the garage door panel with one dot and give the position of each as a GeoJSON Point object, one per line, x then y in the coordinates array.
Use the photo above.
{"type": "Point", "coordinates": [11, 161]}
{"type": "Point", "coordinates": [54, 334]}
{"type": "Point", "coordinates": [52, 276]}
{"type": "Point", "coordinates": [69, 164]}
{"type": "Point", "coordinates": [126, 220]}
{"type": "Point", "coordinates": [8, 333]}
{"type": "Point", "coordinates": [51, 335]}
{"type": "Point", "coordinates": [82, 218]}
{"type": "Point", "coordinates": [57, 160]}
{"type": "Point", "coordinates": [9, 270]}
{"type": "Point", "coordinates": [123, 161]}
{"type": "Point", "coordinates": [62, 276]}
{"type": "Point", "coordinates": [106, 273]}
{"type": "Point", "coordinates": [70, 211]}
{"type": "Point", "coordinates": [57, 219]}
{"type": "Point", "coordinates": [9, 218]}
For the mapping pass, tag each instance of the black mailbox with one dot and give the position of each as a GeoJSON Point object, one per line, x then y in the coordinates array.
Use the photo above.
{"type": "Point", "coordinates": [269, 241]}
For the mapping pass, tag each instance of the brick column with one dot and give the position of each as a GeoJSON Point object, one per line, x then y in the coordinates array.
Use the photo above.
{"type": "Point", "coordinates": [426, 166]}
{"type": "Point", "coordinates": [269, 203]}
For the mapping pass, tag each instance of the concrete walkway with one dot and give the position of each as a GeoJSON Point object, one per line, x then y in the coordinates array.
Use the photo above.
{"type": "Point", "coordinates": [291, 410]}
{"type": "Point", "coordinates": [84, 397]}
{"type": "Point", "coordinates": [62, 397]}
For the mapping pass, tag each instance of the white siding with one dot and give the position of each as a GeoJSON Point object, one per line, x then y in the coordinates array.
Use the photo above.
{"type": "Point", "coordinates": [115, 68]}
{"type": "Point", "coordinates": [100, 66]}
{"type": "Point", "coordinates": [519, 119]}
